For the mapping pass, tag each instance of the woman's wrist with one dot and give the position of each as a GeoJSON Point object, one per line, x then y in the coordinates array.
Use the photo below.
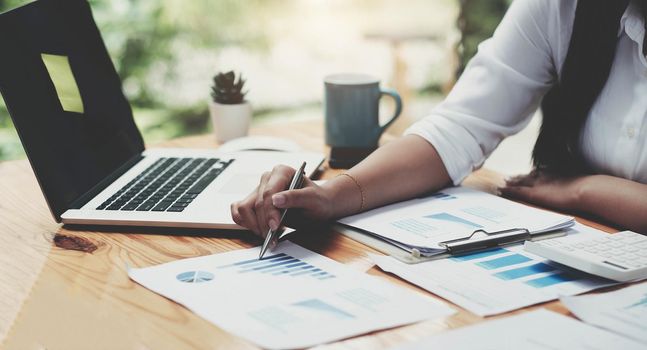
{"type": "Point", "coordinates": [585, 187]}
{"type": "Point", "coordinates": [345, 196]}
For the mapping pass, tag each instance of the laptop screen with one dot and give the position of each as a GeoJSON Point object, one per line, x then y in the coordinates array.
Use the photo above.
{"type": "Point", "coordinates": [65, 99]}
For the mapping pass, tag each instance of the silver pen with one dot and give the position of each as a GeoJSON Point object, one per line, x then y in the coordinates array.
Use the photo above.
{"type": "Point", "coordinates": [272, 236]}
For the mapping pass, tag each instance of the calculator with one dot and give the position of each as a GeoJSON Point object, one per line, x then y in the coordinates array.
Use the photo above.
{"type": "Point", "coordinates": [620, 257]}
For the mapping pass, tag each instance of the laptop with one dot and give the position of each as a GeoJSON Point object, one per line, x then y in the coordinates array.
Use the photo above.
{"type": "Point", "coordinates": [77, 128]}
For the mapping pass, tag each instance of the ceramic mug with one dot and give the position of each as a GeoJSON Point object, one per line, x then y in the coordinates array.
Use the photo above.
{"type": "Point", "coordinates": [352, 104]}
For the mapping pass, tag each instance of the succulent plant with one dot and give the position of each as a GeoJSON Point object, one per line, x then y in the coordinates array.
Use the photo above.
{"type": "Point", "coordinates": [227, 89]}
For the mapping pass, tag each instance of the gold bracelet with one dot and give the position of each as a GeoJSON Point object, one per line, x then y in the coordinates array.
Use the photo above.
{"type": "Point", "coordinates": [361, 190]}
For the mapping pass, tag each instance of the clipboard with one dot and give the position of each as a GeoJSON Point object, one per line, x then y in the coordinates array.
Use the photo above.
{"type": "Point", "coordinates": [478, 240]}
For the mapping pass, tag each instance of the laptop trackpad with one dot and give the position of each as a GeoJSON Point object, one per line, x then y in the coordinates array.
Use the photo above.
{"type": "Point", "coordinates": [241, 183]}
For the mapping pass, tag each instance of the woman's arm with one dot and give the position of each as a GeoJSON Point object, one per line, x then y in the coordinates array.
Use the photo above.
{"type": "Point", "coordinates": [617, 200]}
{"type": "Point", "coordinates": [495, 97]}
{"type": "Point", "coordinates": [401, 169]}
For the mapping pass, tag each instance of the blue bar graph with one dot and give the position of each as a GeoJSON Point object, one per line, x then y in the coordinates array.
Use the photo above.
{"type": "Point", "coordinates": [503, 262]}
{"type": "Point", "coordinates": [551, 280]}
{"type": "Point", "coordinates": [278, 264]}
{"type": "Point", "coordinates": [524, 271]}
{"type": "Point", "coordinates": [483, 254]}
{"type": "Point", "coordinates": [453, 219]}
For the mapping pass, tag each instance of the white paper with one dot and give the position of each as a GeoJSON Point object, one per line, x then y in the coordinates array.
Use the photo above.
{"type": "Point", "coordinates": [424, 223]}
{"type": "Point", "coordinates": [536, 330]}
{"type": "Point", "coordinates": [296, 299]}
{"type": "Point", "coordinates": [623, 311]}
{"type": "Point", "coordinates": [500, 280]}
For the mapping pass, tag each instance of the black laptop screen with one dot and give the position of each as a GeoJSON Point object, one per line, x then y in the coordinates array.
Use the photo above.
{"type": "Point", "coordinates": [65, 99]}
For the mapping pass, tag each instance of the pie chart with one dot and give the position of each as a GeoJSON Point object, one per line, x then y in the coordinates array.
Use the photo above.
{"type": "Point", "coordinates": [194, 276]}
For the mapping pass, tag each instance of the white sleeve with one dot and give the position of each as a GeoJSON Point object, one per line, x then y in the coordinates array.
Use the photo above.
{"type": "Point", "coordinates": [499, 90]}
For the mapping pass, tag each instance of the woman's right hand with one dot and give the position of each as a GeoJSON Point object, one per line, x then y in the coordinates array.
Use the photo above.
{"type": "Point", "coordinates": [260, 211]}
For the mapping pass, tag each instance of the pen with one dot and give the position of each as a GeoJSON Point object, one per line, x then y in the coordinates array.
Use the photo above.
{"type": "Point", "coordinates": [272, 236]}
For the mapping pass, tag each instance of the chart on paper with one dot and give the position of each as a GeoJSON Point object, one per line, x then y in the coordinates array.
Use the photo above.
{"type": "Point", "coordinates": [509, 266]}
{"type": "Point", "coordinates": [341, 306]}
{"type": "Point", "coordinates": [424, 224]}
{"type": "Point", "coordinates": [294, 298]}
{"type": "Point", "coordinates": [623, 311]}
{"type": "Point", "coordinates": [495, 281]}
{"type": "Point", "coordinates": [278, 264]}
{"type": "Point", "coordinates": [535, 330]}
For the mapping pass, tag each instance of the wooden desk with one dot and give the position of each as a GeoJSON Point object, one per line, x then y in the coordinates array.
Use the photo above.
{"type": "Point", "coordinates": [63, 288]}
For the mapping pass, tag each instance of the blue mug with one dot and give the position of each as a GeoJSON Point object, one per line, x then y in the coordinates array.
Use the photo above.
{"type": "Point", "coordinates": [351, 104]}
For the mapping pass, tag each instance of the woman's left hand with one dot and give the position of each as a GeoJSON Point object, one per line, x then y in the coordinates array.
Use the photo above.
{"type": "Point", "coordinates": [545, 190]}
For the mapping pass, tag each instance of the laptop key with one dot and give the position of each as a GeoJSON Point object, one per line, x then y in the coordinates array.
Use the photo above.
{"type": "Point", "coordinates": [146, 206]}
{"type": "Point", "coordinates": [162, 206]}
{"type": "Point", "coordinates": [175, 209]}
{"type": "Point", "coordinates": [129, 207]}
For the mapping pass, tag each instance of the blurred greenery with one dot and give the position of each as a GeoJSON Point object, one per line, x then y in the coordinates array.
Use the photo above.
{"type": "Point", "coordinates": [477, 21]}
{"type": "Point", "coordinates": [147, 39]}
{"type": "Point", "coordinates": [142, 36]}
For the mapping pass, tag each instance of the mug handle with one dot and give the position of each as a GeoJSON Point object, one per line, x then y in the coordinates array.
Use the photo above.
{"type": "Point", "coordinates": [398, 106]}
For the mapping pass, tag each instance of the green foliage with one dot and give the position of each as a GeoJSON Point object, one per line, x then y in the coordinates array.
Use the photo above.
{"type": "Point", "coordinates": [477, 21]}
{"type": "Point", "coordinates": [227, 89]}
{"type": "Point", "coordinates": [144, 36]}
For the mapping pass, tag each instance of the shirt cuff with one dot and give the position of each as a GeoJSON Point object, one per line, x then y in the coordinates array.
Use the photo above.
{"type": "Point", "coordinates": [456, 147]}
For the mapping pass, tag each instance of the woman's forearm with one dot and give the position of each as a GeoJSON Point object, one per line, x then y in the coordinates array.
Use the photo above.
{"type": "Point", "coordinates": [615, 199]}
{"type": "Point", "coordinates": [399, 170]}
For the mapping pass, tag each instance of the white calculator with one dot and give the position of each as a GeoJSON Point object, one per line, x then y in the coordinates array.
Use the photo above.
{"type": "Point", "coordinates": [621, 256]}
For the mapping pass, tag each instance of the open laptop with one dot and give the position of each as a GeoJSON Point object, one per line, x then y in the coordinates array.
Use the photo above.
{"type": "Point", "coordinates": [77, 128]}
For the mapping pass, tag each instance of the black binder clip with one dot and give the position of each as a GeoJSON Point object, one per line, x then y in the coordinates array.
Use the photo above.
{"type": "Point", "coordinates": [489, 240]}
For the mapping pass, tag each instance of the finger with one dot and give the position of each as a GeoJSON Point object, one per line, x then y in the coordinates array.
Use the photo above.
{"type": "Point", "coordinates": [303, 198]}
{"type": "Point", "coordinates": [279, 180]}
{"type": "Point", "coordinates": [235, 213]}
{"type": "Point", "coordinates": [248, 215]}
{"type": "Point", "coordinates": [259, 205]}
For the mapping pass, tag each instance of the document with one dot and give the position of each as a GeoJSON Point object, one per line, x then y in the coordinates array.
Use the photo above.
{"type": "Point", "coordinates": [622, 311]}
{"type": "Point", "coordinates": [293, 298]}
{"type": "Point", "coordinates": [536, 330]}
{"type": "Point", "coordinates": [422, 224]}
{"type": "Point", "coordinates": [498, 280]}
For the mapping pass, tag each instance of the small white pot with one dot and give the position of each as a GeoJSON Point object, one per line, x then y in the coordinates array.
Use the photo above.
{"type": "Point", "coordinates": [230, 121]}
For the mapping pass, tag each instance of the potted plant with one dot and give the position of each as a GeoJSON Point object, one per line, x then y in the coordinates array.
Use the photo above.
{"type": "Point", "coordinates": [230, 113]}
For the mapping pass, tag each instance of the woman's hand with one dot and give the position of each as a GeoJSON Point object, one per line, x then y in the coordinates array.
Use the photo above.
{"type": "Point", "coordinates": [260, 211]}
{"type": "Point", "coordinates": [545, 190]}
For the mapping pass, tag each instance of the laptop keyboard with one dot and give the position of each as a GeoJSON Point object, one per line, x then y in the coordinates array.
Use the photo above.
{"type": "Point", "coordinates": [169, 184]}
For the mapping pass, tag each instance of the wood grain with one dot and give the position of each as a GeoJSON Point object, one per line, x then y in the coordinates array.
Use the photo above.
{"type": "Point", "coordinates": [57, 298]}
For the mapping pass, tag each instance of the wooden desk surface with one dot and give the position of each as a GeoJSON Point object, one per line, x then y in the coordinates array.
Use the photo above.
{"type": "Point", "coordinates": [67, 288]}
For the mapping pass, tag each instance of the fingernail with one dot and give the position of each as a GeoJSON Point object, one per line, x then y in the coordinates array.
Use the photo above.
{"type": "Point", "coordinates": [273, 225]}
{"type": "Point", "coordinates": [278, 199]}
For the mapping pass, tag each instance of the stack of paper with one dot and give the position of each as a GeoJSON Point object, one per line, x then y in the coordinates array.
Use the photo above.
{"type": "Point", "coordinates": [293, 298]}
{"type": "Point", "coordinates": [422, 224]}
{"type": "Point", "coordinates": [498, 280]}
{"type": "Point", "coordinates": [537, 330]}
{"type": "Point", "coordinates": [623, 311]}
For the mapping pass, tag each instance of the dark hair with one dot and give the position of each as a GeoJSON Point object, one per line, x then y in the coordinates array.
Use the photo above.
{"type": "Point", "coordinates": [585, 71]}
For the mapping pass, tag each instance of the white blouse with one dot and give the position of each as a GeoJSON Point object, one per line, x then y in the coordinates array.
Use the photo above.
{"type": "Point", "coordinates": [504, 83]}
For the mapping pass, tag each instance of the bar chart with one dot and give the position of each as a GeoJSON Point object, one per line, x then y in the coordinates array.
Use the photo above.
{"type": "Point", "coordinates": [279, 264]}
{"type": "Point", "coordinates": [511, 266]}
